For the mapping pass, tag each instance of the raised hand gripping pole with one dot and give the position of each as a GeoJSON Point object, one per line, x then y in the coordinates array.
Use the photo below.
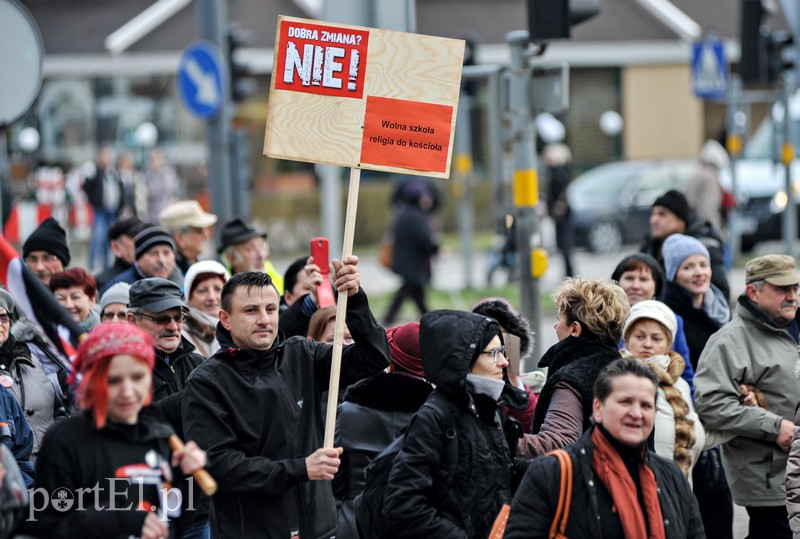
{"type": "Point", "coordinates": [341, 308]}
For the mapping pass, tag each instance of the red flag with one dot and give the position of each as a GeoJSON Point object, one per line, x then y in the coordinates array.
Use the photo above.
{"type": "Point", "coordinates": [37, 302]}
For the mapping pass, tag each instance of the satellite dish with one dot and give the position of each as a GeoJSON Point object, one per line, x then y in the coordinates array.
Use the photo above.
{"type": "Point", "coordinates": [22, 58]}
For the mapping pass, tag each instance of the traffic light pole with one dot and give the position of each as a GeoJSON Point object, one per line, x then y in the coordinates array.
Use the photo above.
{"type": "Point", "coordinates": [526, 188]}
{"type": "Point", "coordinates": [787, 157]}
{"type": "Point", "coordinates": [212, 18]}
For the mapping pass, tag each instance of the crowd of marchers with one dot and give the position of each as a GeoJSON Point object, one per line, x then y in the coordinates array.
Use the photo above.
{"type": "Point", "coordinates": [664, 402]}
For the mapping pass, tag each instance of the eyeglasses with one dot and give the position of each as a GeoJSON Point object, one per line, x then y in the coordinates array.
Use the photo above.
{"type": "Point", "coordinates": [165, 319]}
{"type": "Point", "coordinates": [108, 315]}
{"type": "Point", "coordinates": [33, 259]}
{"type": "Point", "coordinates": [5, 318]}
{"type": "Point", "coordinates": [495, 352]}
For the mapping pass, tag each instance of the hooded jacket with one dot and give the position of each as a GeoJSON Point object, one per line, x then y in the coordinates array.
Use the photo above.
{"type": "Point", "coordinates": [257, 414]}
{"type": "Point", "coordinates": [449, 341]}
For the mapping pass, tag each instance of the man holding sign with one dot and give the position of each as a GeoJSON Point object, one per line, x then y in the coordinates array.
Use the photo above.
{"type": "Point", "coordinates": [255, 405]}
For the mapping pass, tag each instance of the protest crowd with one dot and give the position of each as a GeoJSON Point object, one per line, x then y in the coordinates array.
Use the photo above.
{"type": "Point", "coordinates": [167, 395]}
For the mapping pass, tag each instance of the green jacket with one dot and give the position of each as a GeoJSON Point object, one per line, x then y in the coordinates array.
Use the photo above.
{"type": "Point", "coordinates": [749, 350]}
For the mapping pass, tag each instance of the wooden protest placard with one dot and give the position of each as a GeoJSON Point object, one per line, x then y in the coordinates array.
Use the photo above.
{"type": "Point", "coordinates": [363, 97]}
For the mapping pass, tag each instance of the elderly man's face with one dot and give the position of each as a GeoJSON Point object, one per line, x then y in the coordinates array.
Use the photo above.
{"type": "Point", "coordinates": [44, 265]}
{"type": "Point", "coordinates": [157, 261]}
{"type": "Point", "coordinates": [778, 302]}
{"type": "Point", "coordinates": [250, 255]}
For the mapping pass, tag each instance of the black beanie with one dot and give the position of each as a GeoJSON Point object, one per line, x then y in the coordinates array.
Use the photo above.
{"type": "Point", "coordinates": [49, 237]}
{"type": "Point", "coordinates": [675, 202]}
{"type": "Point", "coordinates": [150, 236]}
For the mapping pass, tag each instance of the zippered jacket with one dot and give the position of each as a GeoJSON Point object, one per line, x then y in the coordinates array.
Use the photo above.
{"type": "Point", "coordinates": [258, 416]}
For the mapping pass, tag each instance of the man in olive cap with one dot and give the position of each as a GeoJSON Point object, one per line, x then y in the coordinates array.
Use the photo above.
{"type": "Point", "coordinates": [243, 248]}
{"type": "Point", "coordinates": [758, 347]}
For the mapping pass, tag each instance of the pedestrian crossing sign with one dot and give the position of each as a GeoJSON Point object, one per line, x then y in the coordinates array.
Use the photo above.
{"type": "Point", "coordinates": [709, 69]}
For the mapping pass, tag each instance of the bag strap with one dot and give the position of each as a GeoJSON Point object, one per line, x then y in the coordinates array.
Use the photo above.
{"type": "Point", "coordinates": [500, 523]}
{"type": "Point", "coordinates": [559, 525]}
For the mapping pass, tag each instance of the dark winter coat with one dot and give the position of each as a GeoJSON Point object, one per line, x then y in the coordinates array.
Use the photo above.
{"type": "Point", "coordinates": [77, 455]}
{"type": "Point", "coordinates": [535, 502]}
{"type": "Point", "coordinates": [449, 340]}
{"type": "Point", "coordinates": [170, 373]}
{"type": "Point", "coordinates": [257, 414]}
{"type": "Point", "coordinates": [373, 413]}
{"type": "Point", "coordinates": [709, 236]}
{"type": "Point", "coordinates": [414, 245]}
{"type": "Point", "coordinates": [107, 274]}
{"type": "Point", "coordinates": [697, 325]}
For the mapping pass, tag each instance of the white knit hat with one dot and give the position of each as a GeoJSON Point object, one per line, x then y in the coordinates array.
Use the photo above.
{"type": "Point", "coordinates": [116, 293]}
{"type": "Point", "coordinates": [203, 266]}
{"type": "Point", "coordinates": [652, 310]}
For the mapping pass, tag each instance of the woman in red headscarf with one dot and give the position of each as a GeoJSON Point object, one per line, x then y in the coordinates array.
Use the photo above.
{"type": "Point", "coordinates": [373, 413]}
{"type": "Point", "coordinates": [109, 471]}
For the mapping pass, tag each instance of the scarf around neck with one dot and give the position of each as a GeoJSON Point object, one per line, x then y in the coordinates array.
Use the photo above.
{"type": "Point", "coordinates": [612, 472]}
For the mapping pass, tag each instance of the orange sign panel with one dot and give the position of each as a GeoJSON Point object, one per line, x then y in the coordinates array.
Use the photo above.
{"type": "Point", "coordinates": [320, 59]}
{"type": "Point", "coordinates": [406, 134]}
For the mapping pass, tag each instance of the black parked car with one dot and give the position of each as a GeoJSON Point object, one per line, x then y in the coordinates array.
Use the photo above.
{"type": "Point", "coordinates": [611, 203]}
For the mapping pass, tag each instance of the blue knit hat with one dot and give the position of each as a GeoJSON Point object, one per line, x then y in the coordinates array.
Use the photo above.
{"type": "Point", "coordinates": [676, 249]}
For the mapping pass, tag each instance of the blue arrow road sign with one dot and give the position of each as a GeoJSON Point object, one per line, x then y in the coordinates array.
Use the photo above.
{"type": "Point", "coordinates": [200, 82]}
{"type": "Point", "coordinates": [709, 69]}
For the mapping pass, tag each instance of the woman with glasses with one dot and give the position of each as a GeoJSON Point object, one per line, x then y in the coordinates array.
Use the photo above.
{"type": "Point", "coordinates": [76, 291]}
{"type": "Point", "coordinates": [591, 315]}
{"type": "Point", "coordinates": [22, 375]}
{"type": "Point", "coordinates": [451, 477]}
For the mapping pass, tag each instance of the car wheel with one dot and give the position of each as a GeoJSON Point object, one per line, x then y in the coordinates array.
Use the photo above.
{"type": "Point", "coordinates": [605, 237]}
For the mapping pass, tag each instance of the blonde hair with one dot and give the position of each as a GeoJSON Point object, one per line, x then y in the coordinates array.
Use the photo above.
{"type": "Point", "coordinates": [601, 307]}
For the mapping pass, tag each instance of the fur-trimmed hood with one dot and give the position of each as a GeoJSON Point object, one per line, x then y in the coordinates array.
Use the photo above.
{"type": "Point", "coordinates": [513, 322]}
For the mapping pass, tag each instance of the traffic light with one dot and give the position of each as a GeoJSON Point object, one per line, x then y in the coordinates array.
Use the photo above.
{"type": "Point", "coordinates": [765, 53]}
{"type": "Point", "coordinates": [240, 84]}
{"type": "Point", "coordinates": [553, 19]}
{"type": "Point", "coordinates": [753, 40]}
{"type": "Point", "coordinates": [781, 53]}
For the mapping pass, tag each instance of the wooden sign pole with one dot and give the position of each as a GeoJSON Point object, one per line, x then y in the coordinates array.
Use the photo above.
{"type": "Point", "coordinates": [341, 308]}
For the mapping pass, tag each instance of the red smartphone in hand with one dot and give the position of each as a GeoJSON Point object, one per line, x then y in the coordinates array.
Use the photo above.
{"type": "Point", "coordinates": [319, 251]}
